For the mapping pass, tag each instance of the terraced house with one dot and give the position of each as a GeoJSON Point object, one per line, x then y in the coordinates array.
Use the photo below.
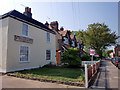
{"type": "Point", "coordinates": [64, 40]}
{"type": "Point", "coordinates": [26, 43]}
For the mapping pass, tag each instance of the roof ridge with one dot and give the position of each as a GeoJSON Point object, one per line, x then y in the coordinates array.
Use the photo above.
{"type": "Point", "coordinates": [16, 14]}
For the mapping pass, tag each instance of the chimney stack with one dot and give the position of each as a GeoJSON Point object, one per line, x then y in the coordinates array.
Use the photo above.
{"type": "Point", "coordinates": [61, 29]}
{"type": "Point", "coordinates": [54, 25]}
{"type": "Point", "coordinates": [28, 12]}
{"type": "Point", "coordinates": [47, 24]}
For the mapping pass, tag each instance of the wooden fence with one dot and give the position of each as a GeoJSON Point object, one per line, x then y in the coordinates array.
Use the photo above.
{"type": "Point", "coordinates": [90, 72]}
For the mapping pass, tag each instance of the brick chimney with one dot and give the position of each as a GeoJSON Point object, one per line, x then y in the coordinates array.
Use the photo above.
{"type": "Point", "coordinates": [61, 29]}
{"type": "Point", "coordinates": [47, 24]}
{"type": "Point", "coordinates": [54, 25]}
{"type": "Point", "coordinates": [28, 12]}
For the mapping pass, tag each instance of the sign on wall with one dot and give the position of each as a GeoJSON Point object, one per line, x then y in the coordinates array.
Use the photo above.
{"type": "Point", "coordinates": [92, 51]}
{"type": "Point", "coordinates": [23, 39]}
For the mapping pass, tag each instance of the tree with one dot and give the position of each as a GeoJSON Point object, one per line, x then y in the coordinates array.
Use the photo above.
{"type": "Point", "coordinates": [99, 37]}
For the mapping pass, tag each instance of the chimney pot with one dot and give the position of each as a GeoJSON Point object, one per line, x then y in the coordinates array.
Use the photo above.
{"type": "Point", "coordinates": [28, 12]}
{"type": "Point", "coordinates": [26, 9]}
{"type": "Point", "coordinates": [29, 9]}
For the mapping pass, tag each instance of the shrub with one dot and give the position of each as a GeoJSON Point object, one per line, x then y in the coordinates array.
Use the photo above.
{"type": "Point", "coordinates": [71, 57]}
{"type": "Point", "coordinates": [86, 58]}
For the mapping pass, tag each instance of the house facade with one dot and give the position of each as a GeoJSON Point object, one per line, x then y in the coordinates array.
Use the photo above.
{"type": "Point", "coordinates": [26, 43]}
{"type": "Point", "coordinates": [64, 40]}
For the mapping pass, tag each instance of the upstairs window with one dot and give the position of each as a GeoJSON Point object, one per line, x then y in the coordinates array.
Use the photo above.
{"type": "Point", "coordinates": [48, 37]}
{"type": "Point", "coordinates": [24, 29]}
{"type": "Point", "coordinates": [66, 40]}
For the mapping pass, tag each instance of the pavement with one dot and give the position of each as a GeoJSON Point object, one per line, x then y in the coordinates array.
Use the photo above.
{"type": "Point", "coordinates": [107, 76]}
{"type": "Point", "coordinates": [13, 82]}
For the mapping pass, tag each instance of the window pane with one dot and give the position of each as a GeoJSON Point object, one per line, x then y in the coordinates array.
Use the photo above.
{"type": "Point", "coordinates": [24, 53]}
{"type": "Point", "coordinates": [48, 37]}
{"type": "Point", "coordinates": [25, 29]}
{"type": "Point", "coordinates": [48, 54]}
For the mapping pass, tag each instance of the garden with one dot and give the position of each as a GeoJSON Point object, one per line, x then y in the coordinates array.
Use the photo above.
{"type": "Point", "coordinates": [70, 72]}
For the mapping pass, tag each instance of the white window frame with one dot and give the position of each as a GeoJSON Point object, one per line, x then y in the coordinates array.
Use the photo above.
{"type": "Point", "coordinates": [47, 36]}
{"type": "Point", "coordinates": [50, 55]}
{"type": "Point", "coordinates": [22, 29]}
{"type": "Point", "coordinates": [28, 53]}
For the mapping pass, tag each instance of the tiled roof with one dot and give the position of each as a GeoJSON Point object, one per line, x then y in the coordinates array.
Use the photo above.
{"type": "Point", "coordinates": [19, 16]}
{"type": "Point", "coordinates": [63, 33]}
{"type": "Point", "coordinates": [72, 37]}
{"type": "Point", "coordinates": [77, 39]}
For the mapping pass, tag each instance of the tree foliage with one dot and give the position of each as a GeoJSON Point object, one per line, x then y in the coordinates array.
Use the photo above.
{"type": "Point", "coordinates": [97, 36]}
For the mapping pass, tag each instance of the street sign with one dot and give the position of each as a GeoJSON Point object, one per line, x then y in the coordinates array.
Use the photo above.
{"type": "Point", "coordinates": [96, 55]}
{"type": "Point", "coordinates": [92, 51]}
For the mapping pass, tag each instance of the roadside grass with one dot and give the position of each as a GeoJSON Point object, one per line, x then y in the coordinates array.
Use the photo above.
{"type": "Point", "coordinates": [56, 73]}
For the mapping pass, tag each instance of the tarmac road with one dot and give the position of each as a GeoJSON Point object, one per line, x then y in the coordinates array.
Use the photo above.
{"type": "Point", "coordinates": [107, 76]}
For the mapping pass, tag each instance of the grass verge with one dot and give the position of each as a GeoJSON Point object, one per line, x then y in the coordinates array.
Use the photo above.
{"type": "Point", "coordinates": [56, 73]}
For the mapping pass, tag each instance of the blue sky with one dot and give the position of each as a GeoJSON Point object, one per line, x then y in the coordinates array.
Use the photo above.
{"type": "Point", "coordinates": [77, 15]}
{"type": "Point", "coordinates": [70, 15]}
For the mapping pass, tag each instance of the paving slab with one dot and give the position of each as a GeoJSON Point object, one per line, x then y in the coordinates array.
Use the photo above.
{"type": "Point", "coordinates": [107, 76]}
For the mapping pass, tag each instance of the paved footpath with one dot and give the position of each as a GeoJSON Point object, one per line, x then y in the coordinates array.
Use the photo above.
{"type": "Point", "coordinates": [13, 82]}
{"type": "Point", "coordinates": [107, 76]}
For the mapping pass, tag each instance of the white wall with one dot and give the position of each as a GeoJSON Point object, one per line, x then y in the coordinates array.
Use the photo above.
{"type": "Point", "coordinates": [3, 43]}
{"type": "Point", "coordinates": [37, 49]}
{"type": "Point", "coordinates": [0, 45]}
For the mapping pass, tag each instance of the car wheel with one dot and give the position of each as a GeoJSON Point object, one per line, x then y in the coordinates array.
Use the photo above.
{"type": "Point", "coordinates": [119, 65]}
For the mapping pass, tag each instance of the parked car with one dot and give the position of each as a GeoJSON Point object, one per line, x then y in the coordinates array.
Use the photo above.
{"type": "Point", "coordinates": [117, 62]}
{"type": "Point", "coordinates": [113, 60]}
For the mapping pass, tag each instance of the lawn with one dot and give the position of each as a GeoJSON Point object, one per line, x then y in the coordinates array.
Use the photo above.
{"type": "Point", "coordinates": [56, 73]}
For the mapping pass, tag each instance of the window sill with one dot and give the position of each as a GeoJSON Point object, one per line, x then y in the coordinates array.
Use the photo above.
{"type": "Point", "coordinates": [24, 61]}
{"type": "Point", "coordinates": [48, 60]}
